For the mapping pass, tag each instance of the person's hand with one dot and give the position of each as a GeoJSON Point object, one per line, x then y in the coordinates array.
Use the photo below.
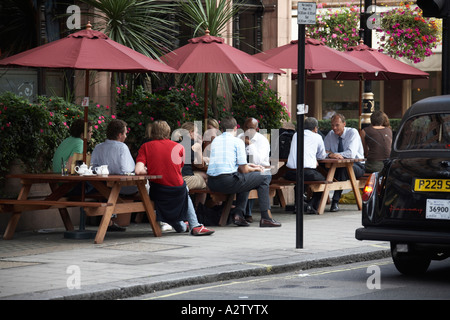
{"type": "Point", "coordinates": [332, 155]}
{"type": "Point", "coordinates": [256, 167]}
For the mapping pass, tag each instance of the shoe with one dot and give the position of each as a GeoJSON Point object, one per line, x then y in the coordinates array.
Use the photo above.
{"type": "Point", "coordinates": [165, 226]}
{"type": "Point", "coordinates": [201, 231]}
{"type": "Point", "coordinates": [240, 221]}
{"type": "Point", "coordinates": [249, 219]}
{"type": "Point", "coordinates": [310, 210]}
{"type": "Point", "coordinates": [116, 227]}
{"type": "Point", "coordinates": [268, 223]}
{"type": "Point", "coordinates": [334, 206]}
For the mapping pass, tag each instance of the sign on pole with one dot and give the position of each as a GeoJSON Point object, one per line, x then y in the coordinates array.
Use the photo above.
{"type": "Point", "coordinates": [306, 14]}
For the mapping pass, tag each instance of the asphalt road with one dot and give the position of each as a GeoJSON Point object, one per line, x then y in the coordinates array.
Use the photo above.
{"type": "Point", "coordinates": [372, 280]}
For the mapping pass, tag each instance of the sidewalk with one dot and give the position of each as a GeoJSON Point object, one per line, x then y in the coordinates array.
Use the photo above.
{"type": "Point", "coordinates": [43, 265]}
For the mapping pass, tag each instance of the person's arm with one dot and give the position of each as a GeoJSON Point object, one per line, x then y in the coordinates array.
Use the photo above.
{"type": "Point", "coordinates": [250, 167]}
{"type": "Point", "coordinates": [140, 168]}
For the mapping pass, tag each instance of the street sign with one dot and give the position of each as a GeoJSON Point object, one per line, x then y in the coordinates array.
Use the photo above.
{"type": "Point", "coordinates": [306, 13]}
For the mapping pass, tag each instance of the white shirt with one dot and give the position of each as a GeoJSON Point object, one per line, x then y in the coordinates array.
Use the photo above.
{"type": "Point", "coordinates": [314, 149]}
{"type": "Point", "coordinates": [351, 141]}
{"type": "Point", "coordinates": [258, 149]}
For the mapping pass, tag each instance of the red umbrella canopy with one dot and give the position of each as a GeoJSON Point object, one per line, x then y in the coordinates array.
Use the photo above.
{"type": "Point", "coordinates": [319, 59]}
{"type": "Point", "coordinates": [87, 50]}
{"type": "Point", "coordinates": [391, 69]}
{"type": "Point", "coordinates": [209, 54]}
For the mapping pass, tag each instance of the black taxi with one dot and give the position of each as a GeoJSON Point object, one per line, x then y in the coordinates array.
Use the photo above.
{"type": "Point", "coordinates": [408, 202]}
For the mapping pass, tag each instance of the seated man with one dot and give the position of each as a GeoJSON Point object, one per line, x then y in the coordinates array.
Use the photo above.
{"type": "Point", "coordinates": [313, 149]}
{"type": "Point", "coordinates": [257, 148]}
{"type": "Point", "coordinates": [342, 142]}
{"type": "Point", "coordinates": [228, 172]}
{"type": "Point", "coordinates": [116, 154]}
{"type": "Point", "coordinates": [162, 156]}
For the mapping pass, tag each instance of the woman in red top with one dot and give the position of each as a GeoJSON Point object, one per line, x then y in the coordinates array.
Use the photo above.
{"type": "Point", "coordinates": [164, 157]}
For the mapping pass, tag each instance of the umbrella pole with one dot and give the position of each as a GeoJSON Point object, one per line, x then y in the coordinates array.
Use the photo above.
{"type": "Point", "coordinates": [205, 106]}
{"type": "Point", "coordinates": [86, 111]}
{"type": "Point", "coordinates": [82, 233]}
{"type": "Point", "coordinates": [360, 102]}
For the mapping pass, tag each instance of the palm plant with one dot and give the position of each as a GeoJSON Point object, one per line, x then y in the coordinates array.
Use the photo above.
{"type": "Point", "coordinates": [212, 15]}
{"type": "Point", "coordinates": [139, 24]}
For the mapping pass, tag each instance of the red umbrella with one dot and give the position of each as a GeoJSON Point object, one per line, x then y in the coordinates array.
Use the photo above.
{"type": "Point", "coordinates": [209, 54]}
{"type": "Point", "coordinates": [319, 60]}
{"type": "Point", "coordinates": [391, 69]}
{"type": "Point", "coordinates": [86, 50]}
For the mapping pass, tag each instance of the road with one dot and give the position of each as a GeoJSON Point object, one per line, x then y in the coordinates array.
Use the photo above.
{"type": "Point", "coordinates": [372, 280]}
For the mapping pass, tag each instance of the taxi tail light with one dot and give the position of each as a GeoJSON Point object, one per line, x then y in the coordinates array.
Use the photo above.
{"type": "Point", "coordinates": [369, 187]}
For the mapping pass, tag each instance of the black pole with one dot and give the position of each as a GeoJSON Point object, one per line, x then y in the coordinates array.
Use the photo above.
{"type": "Point", "coordinates": [300, 142]}
{"type": "Point", "coordinates": [445, 54]}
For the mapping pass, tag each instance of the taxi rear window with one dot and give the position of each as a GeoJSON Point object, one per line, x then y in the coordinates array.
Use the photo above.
{"type": "Point", "coordinates": [430, 132]}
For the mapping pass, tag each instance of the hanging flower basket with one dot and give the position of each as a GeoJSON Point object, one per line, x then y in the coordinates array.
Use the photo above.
{"type": "Point", "coordinates": [406, 33]}
{"type": "Point", "coordinates": [338, 28]}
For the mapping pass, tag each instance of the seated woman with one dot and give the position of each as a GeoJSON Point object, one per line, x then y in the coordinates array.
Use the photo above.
{"type": "Point", "coordinates": [192, 172]}
{"type": "Point", "coordinates": [164, 157]}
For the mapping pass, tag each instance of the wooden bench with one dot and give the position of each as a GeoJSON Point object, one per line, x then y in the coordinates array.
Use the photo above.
{"type": "Point", "coordinates": [228, 199]}
{"type": "Point", "coordinates": [13, 205]}
{"type": "Point", "coordinates": [314, 186]}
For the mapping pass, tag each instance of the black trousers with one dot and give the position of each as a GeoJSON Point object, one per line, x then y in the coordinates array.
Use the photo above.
{"type": "Point", "coordinates": [308, 175]}
{"type": "Point", "coordinates": [241, 184]}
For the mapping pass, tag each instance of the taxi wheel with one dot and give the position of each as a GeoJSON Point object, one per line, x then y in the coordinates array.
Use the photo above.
{"type": "Point", "coordinates": [409, 263]}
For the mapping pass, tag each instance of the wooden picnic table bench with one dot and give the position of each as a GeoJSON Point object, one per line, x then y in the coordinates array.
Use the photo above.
{"type": "Point", "coordinates": [107, 186]}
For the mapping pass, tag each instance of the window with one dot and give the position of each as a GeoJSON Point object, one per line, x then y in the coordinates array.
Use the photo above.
{"type": "Point", "coordinates": [425, 132]}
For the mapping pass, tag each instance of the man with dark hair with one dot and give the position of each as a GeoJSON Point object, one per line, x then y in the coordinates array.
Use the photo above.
{"type": "Point", "coordinates": [313, 149]}
{"type": "Point", "coordinates": [114, 152]}
{"type": "Point", "coordinates": [229, 172]}
{"type": "Point", "coordinates": [116, 155]}
{"type": "Point", "coordinates": [71, 145]}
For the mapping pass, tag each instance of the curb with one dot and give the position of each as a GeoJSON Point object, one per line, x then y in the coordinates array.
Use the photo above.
{"type": "Point", "coordinates": [140, 286]}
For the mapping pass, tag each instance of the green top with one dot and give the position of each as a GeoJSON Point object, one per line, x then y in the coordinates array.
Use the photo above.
{"type": "Point", "coordinates": [65, 150]}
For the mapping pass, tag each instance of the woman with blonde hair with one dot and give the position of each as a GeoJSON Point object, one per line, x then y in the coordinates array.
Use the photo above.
{"type": "Point", "coordinates": [164, 157]}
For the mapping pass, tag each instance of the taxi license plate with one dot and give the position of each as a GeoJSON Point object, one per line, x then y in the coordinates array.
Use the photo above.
{"type": "Point", "coordinates": [438, 209]}
{"type": "Point", "coordinates": [432, 185]}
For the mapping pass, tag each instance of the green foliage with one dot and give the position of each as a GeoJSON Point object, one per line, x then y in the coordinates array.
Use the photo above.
{"type": "Point", "coordinates": [260, 102]}
{"type": "Point", "coordinates": [32, 132]}
{"type": "Point", "coordinates": [325, 124]}
{"type": "Point", "coordinates": [175, 105]}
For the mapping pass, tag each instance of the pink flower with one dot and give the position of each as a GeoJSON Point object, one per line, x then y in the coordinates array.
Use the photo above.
{"type": "Point", "coordinates": [96, 126]}
{"type": "Point", "coordinates": [139, 112]}
{"type": "Point", "coordinates": [113, 116]}
{"type": "Point", "coordinates": [129, 104]}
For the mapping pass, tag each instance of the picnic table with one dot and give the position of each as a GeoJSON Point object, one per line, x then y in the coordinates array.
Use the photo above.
{"type": "Point", "coordinates": [108, 203]}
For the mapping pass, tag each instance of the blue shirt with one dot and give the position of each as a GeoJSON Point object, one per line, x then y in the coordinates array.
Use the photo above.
{"type": "Point", "coordinates": [227, 154]}
{"type": "Point", "coordinates": [115, 154]}
{"type": "Point", "coordinates": [351, 140]}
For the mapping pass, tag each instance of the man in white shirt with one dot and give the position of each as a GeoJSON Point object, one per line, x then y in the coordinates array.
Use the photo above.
{"type": "Point", "coordinates": [314, 149]}
{"type": "Point", "coordinates": [343, 142]}
{"type": "Point", "coordinates": [257, 148]}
